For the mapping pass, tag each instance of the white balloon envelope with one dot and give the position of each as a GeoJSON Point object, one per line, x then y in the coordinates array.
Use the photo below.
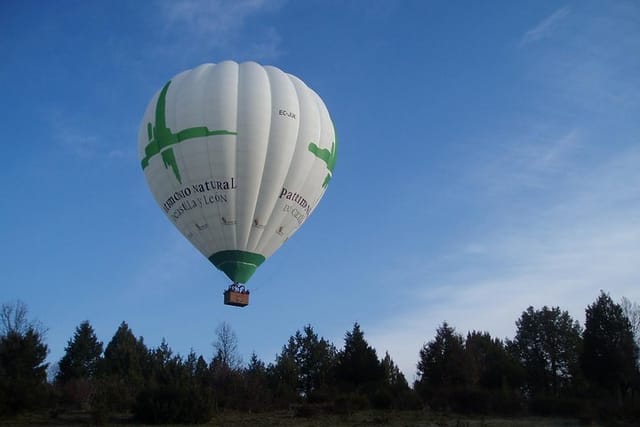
{"type": "Point", "coordinates": [237, 156]}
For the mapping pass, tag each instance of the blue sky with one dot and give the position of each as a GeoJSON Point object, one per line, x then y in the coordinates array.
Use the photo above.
{"type": "Point", "coordinates": [488, 161]}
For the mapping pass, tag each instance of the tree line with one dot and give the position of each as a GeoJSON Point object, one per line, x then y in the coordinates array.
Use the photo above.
{"type": "Point", "coordinates": [553, 366]}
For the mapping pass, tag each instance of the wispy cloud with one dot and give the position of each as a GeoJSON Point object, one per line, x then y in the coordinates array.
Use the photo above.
{"type": "Point", "coordinates": [589, 242]}
{"type": "Point", "coordinates": [210, 18]}
{"type": "Point", "coordinates": [159, 273]}
{"type": "Point", "coordinates": [590, 67]}
{"type": "Point", "coordinates": [116, 154]}
{"type": "Point", "coordinates": [71, 137]}
{"type": "Point", "coordinates": [80, 144]}
{"type": "Point", "coordinates": [545, 28]}
{"type": "Point", "coordinates": [219, 24]}
{"type": "Point", "coordinates": [267, 48]}
{"type": "Point", "coordinates": [558, 150]}
{"type": "Point", "coordinates": [541, 157]}
{"type": "Point", "coordinates": [564, 224]}
{"type": "Point", "coordinates": [75, 135]}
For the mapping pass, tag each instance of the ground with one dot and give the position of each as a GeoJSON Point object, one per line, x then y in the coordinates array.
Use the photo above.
{"type": "Point", "coordinates": [359, 419]}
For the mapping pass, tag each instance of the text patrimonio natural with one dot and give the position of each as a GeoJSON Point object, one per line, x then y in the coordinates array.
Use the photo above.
{"type": "Point", "coordinates": [160, 136]}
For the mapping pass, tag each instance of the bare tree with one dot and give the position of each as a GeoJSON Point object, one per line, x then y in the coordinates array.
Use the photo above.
{"type": "Point", "coordinates": [226, 347]}
{"type": "Point", "coordinates": [632, 311]}
{"type": "Point", "coordinates": [13, 319]}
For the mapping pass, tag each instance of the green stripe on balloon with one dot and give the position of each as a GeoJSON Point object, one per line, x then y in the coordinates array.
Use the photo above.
{"type": "Point", "coordinates": [239, 266]}
{"type": "Point", "coordinates": [160, 136]}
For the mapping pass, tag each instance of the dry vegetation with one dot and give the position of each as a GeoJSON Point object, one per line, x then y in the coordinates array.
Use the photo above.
{"type": "Point", "coordinates": [290, 418]}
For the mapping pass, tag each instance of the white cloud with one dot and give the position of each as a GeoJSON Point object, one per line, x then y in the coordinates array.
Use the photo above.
{"type": "Point", "coordinates": [561, 273]}
{"type": "Point", "coordinates": [268, 47]}
{"type": "Point", "coordinates": [116, 154]}
{"type": "Point", "coordinates": [210, 18]}
{"type": "Point", "coordinates": [221, 24]}
{"type": "Point", "coordinates": [82, 145]}
{"type": "Point", "coordinates": [160, 272]}
{"type": "Point", "coordinates": [590, 67]}
{"type": "Point", "coordinates": [558, 150]}
{"type": "Point", "coordinates": [532, 160]}
{"type": "Point", "coordinates": [71, 137]}
{"type": "Point", "coordinates": [545, 28]}
{"type": "Point", "coordinates": [76, 135]}
{"type": "Point", "coordinates": [588, 241]}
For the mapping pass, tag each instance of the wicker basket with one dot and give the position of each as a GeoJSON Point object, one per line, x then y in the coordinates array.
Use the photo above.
{"type": "Point", "coordinates": [237, 299]}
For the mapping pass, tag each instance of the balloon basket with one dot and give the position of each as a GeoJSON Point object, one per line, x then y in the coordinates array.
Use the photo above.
{"type": "Point", "coordinates": [236, 296]}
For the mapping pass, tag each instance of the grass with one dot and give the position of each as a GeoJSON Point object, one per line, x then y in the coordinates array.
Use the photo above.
{"type": "Point", "coordinates": [387, 418]}
{"type": "Point", "coordinates": [287, 418]}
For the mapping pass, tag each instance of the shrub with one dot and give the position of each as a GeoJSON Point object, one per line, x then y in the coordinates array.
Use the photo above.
{"type": "Point", "coordinates": [167, 404]}
{"type": "Point", "coordinates": [305, 410]}
{"type": "Point", "coordinates": [346, 404]}
{"type": "Point", "coordinates": [382, 399]}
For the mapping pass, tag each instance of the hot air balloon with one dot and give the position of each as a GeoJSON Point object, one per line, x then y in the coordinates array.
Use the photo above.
{"type": "Point", "coordinates": [237, 156]}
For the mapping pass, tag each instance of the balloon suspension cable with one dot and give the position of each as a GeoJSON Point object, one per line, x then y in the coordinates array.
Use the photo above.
{"type": "Point", "coordinates": [237, 287]}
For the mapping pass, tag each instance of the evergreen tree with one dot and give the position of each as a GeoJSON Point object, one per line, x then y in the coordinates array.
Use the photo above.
{"type": "Point", "coordinates": [547, 344]}
{"type": "Point", "coordinates": [201, 373]}
{"type": "Point", "coordinates": [393, 376]}
{"type": "Point", "coordinates": [283, 375]}
{"type": "Point", "coordinates": [315, 358]}
{"type": "Point", "coordinates": [122, 370]}
{"type": "Point", "coordinates": [442, 367]}
{"type": "Point", "coordinates": [394, 392]}
{"type": "Point", "coordinates": [491, 365]}
{"type": "Point", "coordinates": [81, 357]}
{"type": "Point", "coordinates": [23, 371]}
{"type": "Point", "coordinates": [305, 367]}
{"type": "Point", "coordinates": [125, 355]}
{"type": "Point", "coordinates": [358, 368]}
{"type": "Point", "coordinates": [258, 396]}
{"type": "Point", "coordinates": [172, 393]}
{"type": "Point", "coordinates": [495, 376]}
{"type": "Point", "coordinates": [610, 354]}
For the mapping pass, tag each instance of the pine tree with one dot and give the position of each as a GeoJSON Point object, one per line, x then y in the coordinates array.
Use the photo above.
{"type": "Point", "coordinates": [491, 365]}
{"type": "Point", "coordinates": [610, 354]}
{"type": "Point", "coordinates": [305, 366]}
{"type": "Point", "coordinates": [258, 396]}
{"type": "Point", "coordinates": [283, 375]}
{"type": "Point", "coordinates": [358, 368]}
{"type": "Point", "coordinates": [393, 376]}
{"type": "Point", "coordinates": [316, 359]}
{"type": "Point", "coordinates": [122, 370]}
{"type": "Point", "coordinates": [81, 357]}
{"type": "Point", "coordinates": [23, 371]}
{"type": "Point", "coordinates": [442, 366]}
{"type": "Point", "coordinates": [394, 392]}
